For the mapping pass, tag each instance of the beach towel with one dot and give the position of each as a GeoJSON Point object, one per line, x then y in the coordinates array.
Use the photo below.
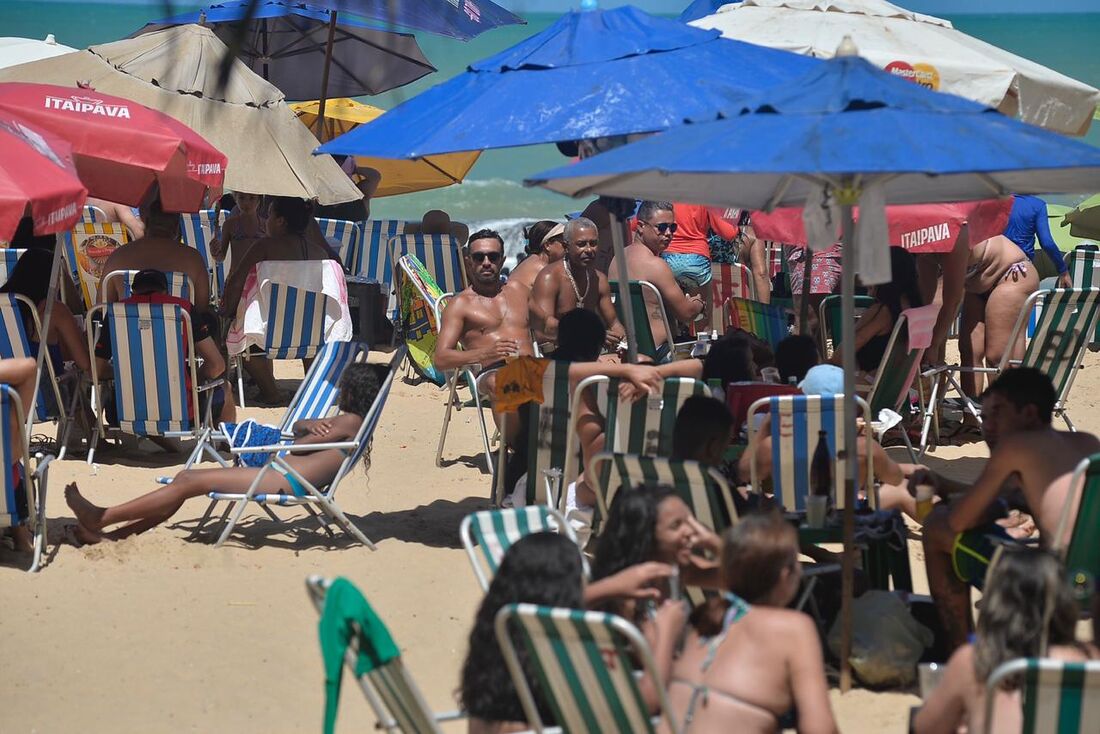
{"type": "Point", "coordinates": [319, 276]}
{"type": "Point", "coordinates": [418, 296]}
{"type": "Point", "coordinates": [252, 433]}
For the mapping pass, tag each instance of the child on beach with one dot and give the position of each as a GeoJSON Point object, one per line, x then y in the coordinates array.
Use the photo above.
{"type": "Point", "coordinates": [242, 228]}
{"type": "Point", "coordinates": [359, 385]}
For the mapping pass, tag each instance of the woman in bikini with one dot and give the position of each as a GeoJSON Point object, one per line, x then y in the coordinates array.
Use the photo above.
{"type": "Point", "coordinates": [242, 228]}
{"type": "Point", "coordinates": [359, 385]}
{"type": "Point", "coordinates": [762, 660]}
{"type": "Point", "coordinates": [1026, 600]}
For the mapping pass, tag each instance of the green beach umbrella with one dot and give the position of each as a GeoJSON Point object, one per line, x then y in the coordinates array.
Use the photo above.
{"type": "Point", "coordinates": [1084, 221]}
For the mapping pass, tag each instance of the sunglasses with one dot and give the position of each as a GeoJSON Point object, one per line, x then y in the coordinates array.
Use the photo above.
{"type": "Point", "coordinates": [664, 227]}
{"type": "Point", "coordinates": [482, 256]}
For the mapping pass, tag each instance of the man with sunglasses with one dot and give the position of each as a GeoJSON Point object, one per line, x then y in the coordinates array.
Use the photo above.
{"type": "Point", "coordinates": [656, 224]}
{"type": "Point", "coordinates": [574, 282]}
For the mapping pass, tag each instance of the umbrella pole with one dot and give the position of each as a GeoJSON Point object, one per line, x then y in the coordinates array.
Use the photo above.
{"type": "Point", "coordinates": [848, 354]}
{"type": "Point", "coordinates": [263, 45]}
{"type": "Point", "coordinates": [51, 298]}
{"type": "Point", "coordinates": [623, 276]}
{"type": "Point", "coordinates": [804, 306]}
{"type": "Point", "coordinates": [324, 74]}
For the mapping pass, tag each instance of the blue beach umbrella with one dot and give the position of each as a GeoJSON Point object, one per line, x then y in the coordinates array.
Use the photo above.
{"type": "Point", "coordinates": [701, 9]}
{"type": "Point", "coordinates": [844, 128]}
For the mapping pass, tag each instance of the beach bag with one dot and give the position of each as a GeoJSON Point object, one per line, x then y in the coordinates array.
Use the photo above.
{"type": "Point", "coordinates": [887, 641]}
{"type": "Point", "coordinates": [251, 433]}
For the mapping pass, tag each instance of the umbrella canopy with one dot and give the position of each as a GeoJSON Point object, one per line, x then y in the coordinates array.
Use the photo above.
{"type": "Point", "coordinates": [15, 50]}
{"type": "Point", "coordinates": [398, 176]}
{"type": "Point", "coordinates": [285, 43]}
{"type": "Point", "coordinates": [918, 47]}
{"type": "Point", "coordinates": [122, 149]}
{"type": "Point", "coordinates": [701, 9]}
{"type": "Point", "coordinates": [589, 75]}
{"type": "Point", "coordinates": [37, 177]}
{"type": "Point", "coordinates": [1084, 221]}
{"type": "Point", "coordinates": [176, 71]}
{"type": "Point", "coordinates": [461, 19]}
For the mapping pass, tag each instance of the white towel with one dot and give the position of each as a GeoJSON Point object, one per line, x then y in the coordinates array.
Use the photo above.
{"type": "Point", "coordinates": [872, 237]}
{"type": "Point", "coordinates": [821, 218]}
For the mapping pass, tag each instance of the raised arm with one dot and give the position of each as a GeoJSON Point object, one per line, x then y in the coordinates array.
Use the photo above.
{"type": "Point", "coordinates": [683, 307]}
{"type": "Point", "coordinates": [1050, 247]}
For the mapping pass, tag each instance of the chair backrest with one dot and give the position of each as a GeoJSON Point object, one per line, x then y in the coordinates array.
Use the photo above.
{"type": "Point", "coordinates": [316, 395]}
{"type": "Point", "coordinates": [548, 437]}
{"type": "Point", "coordinates": [440, 254]}
{"type": "Point", "coordinates": [766, 321]}
{"type": "Point", "coordinates": [152, 361]}
{"type": "Point", "coordinates": [9, 256]}
{"type": "Point", "coordinates": [345, 236]}
{"type": "Point", "coordinates": [794, 426]}
{"type": "Point", "coordinates": [487, 535]}
{"type": "Point", "coordinates": [1084, 272]}
{"type": "Point", "coordinates": [900, 364]}
{"type": "Point", "coordinates": [728, 280]}
{"type": "Point", "coordinates": [373, 258]}
{"type": "Point", "coordinates": [1077, 538]}
{"type": "Point", "coordinates": [644, 427]}
{"type": "Point", "coordinates": [703, 488]}
{"type": "Point", "coordinates": [179, 285]}
{"type": "Point", "coordinates": [829, 322]}
{"type": "Point", "coordinates": [87, 247]}
{"type": "Point", "coordinates": [642, 295]}
{"type": "Point", "coordinates": [741, 395]}
{"type": "Point", "coordinates": [92, 214]}
{"type": "Point", "coordinates": [198, 229]}
{"type": "Point", "coordinates": [12, 512]}
{"type": "Point", "coordinates": [1057, 696]}
{"type": "Point", "coordinates": [1066, 322]}
{"type": "Point", "coordinates": [389, 688]}
{"type": "Point", "coordinates": [14, 344]}
{"type": "Point", "coordinates": [295, 320]}
{"type": "Point", "coordinates": [584, 662]}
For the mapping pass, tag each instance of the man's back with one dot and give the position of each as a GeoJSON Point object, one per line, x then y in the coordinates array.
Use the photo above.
{"type": "Point", "coordinates": [159, 253]}
{"type": "Point", "coordinates": [1045, 459]}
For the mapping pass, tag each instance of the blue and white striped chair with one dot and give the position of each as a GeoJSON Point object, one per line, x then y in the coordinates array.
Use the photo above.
{"type": "Point", "coordinates": [179, 285]}
{"type": "Point", "coordinates": [1057, 696]}
{"type": "Point", "coordinates": [373, 258]}
{"type": "Point", "coordinates": [321, 499]}
{"type": "Point", "coordinates": [198, 230]}
{"type": "Point", "coordinates": [156, 388]}
{"type": "Point", "coordinates": [9, 256]}
{"type": "Point", "coordinates": [345, 237]}
{"type": "Point", "coordinates": [795, 422]}
{"type": "Point", "coordinates": [441, 256]}
{"type": "Point", "coordinates": [15, 344]}
{"type": "Point", "coordinates": [21, 502]}
{"type": "Point", "coordinates": [487, 535]}
{"type": "Point", "coordinates": [584, 663]}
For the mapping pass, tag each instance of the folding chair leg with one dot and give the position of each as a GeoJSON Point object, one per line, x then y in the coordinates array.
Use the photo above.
{"type": "Point", "coordinates": [1069, 423]}
{"type": "Point", "coordinates": [452, 393]}
{"type": "Point", "coordinates": [203, 520]}
{"type": "Point", "coordinates": [342, 520]}
{"type": "Point", "coordinates": [40, 536]}
{"type": "Point", "coordinates": [485, 444]}
{"type": "Point", "coordinates": [908, 443]}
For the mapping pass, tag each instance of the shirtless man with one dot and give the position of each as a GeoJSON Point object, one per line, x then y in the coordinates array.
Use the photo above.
{"type": "Point", "coordinates": [120, 213]}
{"type": "Point", "coordinates": [574, 282]}
{"type": "Point", "coordinates": [656, 225]}
{"type": "Point", "coordinates": [1028, 456]}
{"type": "Point", "coordinates": [548, 249]}
{"type": "Point", "coordinates": [159, 249]}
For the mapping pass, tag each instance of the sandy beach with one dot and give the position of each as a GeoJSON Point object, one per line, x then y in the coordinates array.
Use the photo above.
{"type": "Point", "coordinates": [161, 634]}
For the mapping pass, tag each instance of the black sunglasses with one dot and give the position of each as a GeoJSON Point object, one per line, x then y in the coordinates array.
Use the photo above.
{"type": "Point", "coordinates": [663, 227]}
{"type": "Point", "coordinates": [481, 256]}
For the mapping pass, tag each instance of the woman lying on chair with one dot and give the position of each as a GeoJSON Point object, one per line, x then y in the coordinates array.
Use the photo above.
{"type": "Point", "coordinates": [358, 387]}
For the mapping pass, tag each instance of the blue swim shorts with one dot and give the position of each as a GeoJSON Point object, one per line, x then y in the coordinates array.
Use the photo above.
{"type": "Point", "coordinates": [691, 271]}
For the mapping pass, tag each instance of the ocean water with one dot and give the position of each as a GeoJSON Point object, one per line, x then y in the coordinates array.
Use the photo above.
{"type": "Point", "coordinates": [493, 195]}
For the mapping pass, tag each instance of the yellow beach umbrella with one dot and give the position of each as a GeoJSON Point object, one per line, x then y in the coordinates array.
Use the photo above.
{"type": "Point", "coordinates": [398, 176]}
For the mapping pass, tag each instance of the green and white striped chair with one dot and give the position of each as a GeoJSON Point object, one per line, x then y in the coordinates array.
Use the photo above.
{"type": "Point", "coordinates": [1084, 272]}
{"type": "Point", "coordinates": [1077, 538]}
{"type": "Point", "coordinates": [1057, 696]}
{"type": "Point", "coordinates": [389, 688]}
{"type": "Point", "coordinates": [829, 321]}
{"type": "Point", "coordinates": [703, 488]}
{"type": "Point", "coordinates": [584, 663]}
{"type": "Point", "coordinates": [487, 535]}
{"type": "Point", "coordinates": [640, 291]}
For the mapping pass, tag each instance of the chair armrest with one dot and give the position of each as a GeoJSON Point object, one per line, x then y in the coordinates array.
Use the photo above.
{"type": "Point", "coordinates": [294, 448]}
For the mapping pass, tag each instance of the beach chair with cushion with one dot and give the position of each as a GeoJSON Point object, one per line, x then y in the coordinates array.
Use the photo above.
{"type": "Point", "coordinates": [793, 429]}
{"type": "Point", "coordinates": [642, 294]}
{"type": "Point", "coordinates": [1077, 537]}
{"type": "Point", "coordinates": [584, 663]}
{"type": "Point", "coordinates": [345, 237]}
{"type": "Point", "coordinates": [766, 321]}
{"type": "Point", "coordinates": [487, 535]}
{"type": "Point", "coordinates": [374, 659]}
{"type": "Point", "coordinates": [1056, 696]}
{"type": "Point", "coordinates": [14, 344]}
{"type": "Point", "coordinates": [728, 280]}
{"type": "Point", "coordinates": [321, 499]}
{"type": "Point", "coordinates": [702, 488]}
{"type": "Point", "coordinates": [9, 256]}
{"type": "Point", "coordinates": [830, 324]}
{"type": "Point", "coordinates": [179, 285]}
{"type": "Point", "coordinates": [198, 230]}
{"type": "Point", "coordinates": [86, 247]}
{"type": "Point", "coordinates": [22, 497]}
{"type": "Point", "coordinates": [440, 254]}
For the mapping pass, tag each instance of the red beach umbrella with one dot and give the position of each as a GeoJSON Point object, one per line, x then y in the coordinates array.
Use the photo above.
{"type": "Point", "coordinates": [121, 148]}
{"type": "Point", "coordinates": [37, 177]}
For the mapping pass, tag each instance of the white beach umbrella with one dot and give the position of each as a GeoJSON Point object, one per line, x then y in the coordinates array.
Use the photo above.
{"type": "Point", "coordinates": [922, 48]}
{"type": "Point", "coordinates": [15, 50]}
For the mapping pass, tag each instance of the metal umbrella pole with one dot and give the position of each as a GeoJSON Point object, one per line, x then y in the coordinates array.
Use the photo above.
{"type": "Point", "coordinates": [325, 73]}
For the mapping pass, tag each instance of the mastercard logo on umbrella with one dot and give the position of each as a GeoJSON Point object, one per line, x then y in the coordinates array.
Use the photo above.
{"type": "Point", "coordinates": [925, 75]}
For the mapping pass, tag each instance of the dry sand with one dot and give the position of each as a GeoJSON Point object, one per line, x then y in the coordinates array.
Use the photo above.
{"type": "Point", "coordinates": [162, 634]}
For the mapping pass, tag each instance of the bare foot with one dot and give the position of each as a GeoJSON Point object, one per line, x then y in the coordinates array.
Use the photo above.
{"type": "Point", "coordinates": [84, 536]}
{"type": "Point", "coordinates": [87, 514]}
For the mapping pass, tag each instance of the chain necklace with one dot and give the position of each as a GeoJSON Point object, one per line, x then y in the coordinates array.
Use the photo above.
{"type": "Point", "coordinates": [587, 282]}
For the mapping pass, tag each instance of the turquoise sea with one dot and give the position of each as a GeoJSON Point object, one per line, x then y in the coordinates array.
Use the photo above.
{"type": "Point", "coordinates": [493, 193]}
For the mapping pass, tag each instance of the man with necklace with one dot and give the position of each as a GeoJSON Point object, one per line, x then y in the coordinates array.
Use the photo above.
{"type": "Point", "coordinates": [574, 282]}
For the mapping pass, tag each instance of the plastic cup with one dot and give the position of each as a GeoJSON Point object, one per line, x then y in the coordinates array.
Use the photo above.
{"type": "Point", "coordinates": [925, 495]}
{"type": "Point", "coordinates": [816, 507]}
{"type": "Point", "coordinates": [929, 675]}
{"type": "Point", "coordinates": [770, 374]}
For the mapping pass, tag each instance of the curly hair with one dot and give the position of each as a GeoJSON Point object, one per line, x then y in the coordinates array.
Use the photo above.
{"type": "Point", "coordinates": [359, 385]}
{"type": "Point", "coordinates": [629, 535]}
{"type": "Point", "coordinates": [1025, 600]}
{"type": "Point", "coordinates": [542, 568]}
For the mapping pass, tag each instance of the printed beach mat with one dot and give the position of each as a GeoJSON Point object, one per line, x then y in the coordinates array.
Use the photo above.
{"type": "Point", "coordinates": [419, 297]}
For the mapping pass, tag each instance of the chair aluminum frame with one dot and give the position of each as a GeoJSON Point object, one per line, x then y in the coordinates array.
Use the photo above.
{"type": "Point", "coordinates": [647, 286]}
{"type": "Point", "coordinates": [1089, 672]}
{"type": "Point", "coordinates": [184, 289]}
{"type": "Point", "coordinates": [35, 489]}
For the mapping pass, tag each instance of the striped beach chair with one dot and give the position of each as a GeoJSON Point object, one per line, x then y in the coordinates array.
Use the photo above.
{"type": "Point", "coordinates": [14, 343]}
{"type": "Point", "coordinates": [1084, 272]}
{"type": "Point", "coordinates": [86, 247]}
{"type": "Point", "coordinates": [584, 663]}
{"type": "Point", "coordinates": [1057, 696]}
{"type": "Point", "coordinates": [487, 535]}
{"type": "Point", "coordinates": [398, 705]}
{"type": "Point", "coordinates": [9, 256]}
{"type": "Point", "coordinates": [640, 292]}
{"type": "Point", "coordinates": [22, 500]}
{"type": "Point", "coordinates": [295, 321]}
{"type": "Point", "coordinates": [829, 322]}
{"type": "Point", "coordinates": [179, 285]}
{"type": "Point", "coordinates": [441, 256]}
{"type": "Point", "coordinates": [154, 371]}
{"type": "Point", "coordinates": [794, 425]}
{"type": "Point", "coordinates": [703, 488]}
{"type": "Point", "coordinates": [198, 230]}
{"type": "Point", "coordinates": [373, 257]}
{"type": "Point", "coordinates": [728, 280]}
{"type": "Point", "coordinates": [319, 501]}
{"type": "Point", "coordinates": [1077, 537]}
{"type": "Point", "coordinates": [345, 237]}
{"type": "Point", "coordinates": [766, 321]}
